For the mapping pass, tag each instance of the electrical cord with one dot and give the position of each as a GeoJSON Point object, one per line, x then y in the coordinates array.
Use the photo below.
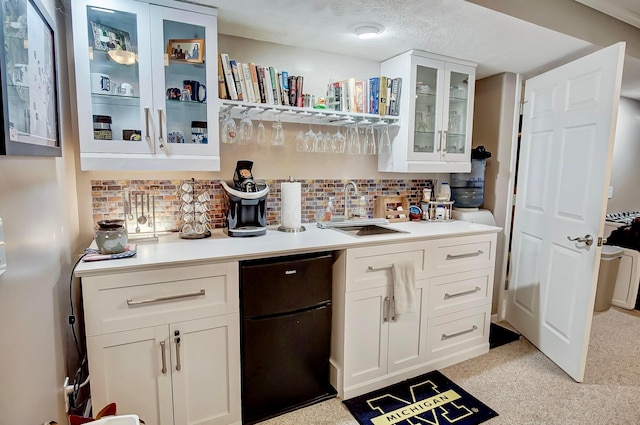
{"type": "Point", "coordinates": [72, 317]}
{"type": "Point", "coordinates": [78, 381]}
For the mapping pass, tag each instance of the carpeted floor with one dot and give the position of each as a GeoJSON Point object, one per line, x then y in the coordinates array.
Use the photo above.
{"type": "Point", "coordinates": [525, 387]}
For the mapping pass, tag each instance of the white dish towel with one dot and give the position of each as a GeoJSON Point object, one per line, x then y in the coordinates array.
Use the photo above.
{"type": "Point", "coordinates": [404, 287]}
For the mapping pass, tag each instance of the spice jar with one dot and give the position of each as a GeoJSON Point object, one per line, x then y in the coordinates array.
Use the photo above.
{"type": "Point", "coordinates": [199, 132]}
{"type": "Point", "coordinates": [102, 127]}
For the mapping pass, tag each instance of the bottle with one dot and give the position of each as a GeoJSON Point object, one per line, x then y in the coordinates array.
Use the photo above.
{"type": "Point", "coordinates": [328, 212]}
{"type": "Point", "coordinates": [445, 192]}
{"type": "Point", "coordinates": [362, 207]}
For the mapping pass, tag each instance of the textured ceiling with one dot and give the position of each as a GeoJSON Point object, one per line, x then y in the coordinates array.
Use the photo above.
{"type": "Point", "coordinates": [456, 28]}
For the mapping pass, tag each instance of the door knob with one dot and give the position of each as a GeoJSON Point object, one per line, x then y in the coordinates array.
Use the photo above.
{"type": "Point", "coordinates": [587, 239]}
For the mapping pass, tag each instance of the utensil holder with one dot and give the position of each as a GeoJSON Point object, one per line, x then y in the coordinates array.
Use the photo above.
{"type": "Point", "coordinates": [147, 231]}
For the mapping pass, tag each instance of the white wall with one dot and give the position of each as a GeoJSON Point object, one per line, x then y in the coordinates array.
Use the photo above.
{"type": "Point", "coordinates": [38, 208]}
{"type": "Point", "coordinates": [625, 169]}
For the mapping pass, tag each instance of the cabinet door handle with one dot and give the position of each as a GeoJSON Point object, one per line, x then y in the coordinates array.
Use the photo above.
{"type": "Point", "coordinates": [445, 336]}
{"type": "Point", "coordinates": [164, 357]}
{"type": "Point", "coordinates": [443, 144]}
{"type": "Point", "coordinates": [465, 255]}
{"type": "Point", "coordinates": [385, 310]}
{"type": "Point", "coordinates": [146, 125]}
{"type": "Point", "coordinates": [131, 302]}
{"type": "Point", "coordinates": [177, 341]}
{"type": "Point", "coordinates": [439, 145]}
{"type": "Point", "coordinates": [460, 294]}
{"type": "Point", "coordinates": [393, 309]}
{"type": "Point", "coordinates": [161, 137]}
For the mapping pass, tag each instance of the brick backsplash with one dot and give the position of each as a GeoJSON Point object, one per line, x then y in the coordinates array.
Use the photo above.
{"type": "Point", "coordinates": [108, 200]}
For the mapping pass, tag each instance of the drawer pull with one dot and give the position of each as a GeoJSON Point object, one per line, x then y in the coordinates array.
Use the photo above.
{"type": "Point", "coordinates": [467, 255]}
{"type": "Point", "coordinates": [460, 294]}
{"type": "Point", "coordinates": [164, 358]}
{"type": "Point", "coordinates": [385, 310]}
{"type": "Point", "coordinates": [377, 269]}
{"type": "Point", "coordinates": [445, 336]}
{"type": "Point", "coordinates": [131, 302]}
{"type": "Point", "coordinates": [177, 340]}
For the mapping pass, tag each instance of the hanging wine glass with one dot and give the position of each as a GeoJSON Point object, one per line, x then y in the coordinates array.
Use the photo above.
{"type": "Point", "coordinates": [278, 133]}
{"type": "Point", "coordinates": [353, 145]}
{"type": "Point", "coordinates": [318, 141]}
{"type": "Point", "coordinates": [370, 147]}
{"type": "Point", "coordinates": [338, 142]}
{"type": "Point", "coordinates": [299, 141]}
{"type": "Point", "coordinates": [246, 129]}
{"type": "Point", "coordinates": [309, 139]}
{"type": "Point", "coordinates": [384, 141]}
{"type": "Point", "coordinates": [261, 133]}
{"type": "Point", "coordinates": [229, 129]}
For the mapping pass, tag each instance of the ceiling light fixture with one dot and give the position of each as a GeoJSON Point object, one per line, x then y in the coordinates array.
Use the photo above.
{"type": "Point", "coordinates": [368, 30]}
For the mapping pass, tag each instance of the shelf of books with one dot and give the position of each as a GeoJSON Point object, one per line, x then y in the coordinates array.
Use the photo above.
{"type": "Point", "coordinates": [266, 93]}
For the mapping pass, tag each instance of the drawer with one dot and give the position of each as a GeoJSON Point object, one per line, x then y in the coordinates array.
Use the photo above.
{"type": "Point", "coordinates": [454, 255]}
{"type": "Point", "coordinates": [371, 267]}
{"type": "Point", "coordinates": [124, 301]}
{"type": "Point", "coordinates": [460, 291]}
{"type": "Point", "coordinates": [454, 333]}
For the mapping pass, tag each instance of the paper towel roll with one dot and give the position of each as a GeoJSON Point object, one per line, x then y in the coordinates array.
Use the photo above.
{"type": "Point", "coordinates": [291, 205]}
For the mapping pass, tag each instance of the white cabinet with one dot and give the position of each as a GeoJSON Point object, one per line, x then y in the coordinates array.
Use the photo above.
{"type": "Point", "coordinates": [137, 100]}
{"type": "Point", "coordinates": [377, 341]}
{"type": "Point", "coordinates": [436, 114]}
{"type": "Point", "coordinates": [165, 344]}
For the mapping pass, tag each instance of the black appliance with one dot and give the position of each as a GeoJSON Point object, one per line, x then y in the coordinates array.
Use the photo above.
{"type": "Point", "coordinates": [246, 203]}
{"type": "Point", "coordinates": [285, 334]}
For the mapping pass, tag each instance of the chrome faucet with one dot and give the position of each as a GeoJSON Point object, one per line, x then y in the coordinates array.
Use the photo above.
{"type": "Point", "coordinates": [346, 197]}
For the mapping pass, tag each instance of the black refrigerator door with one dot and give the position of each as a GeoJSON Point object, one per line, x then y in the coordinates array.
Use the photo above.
{"type": "Point", "coordinates": [285, 363]}
{"type": "Point", "coordinates": [285, 284]}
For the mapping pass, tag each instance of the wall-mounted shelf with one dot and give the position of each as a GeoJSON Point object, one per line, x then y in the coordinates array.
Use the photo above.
{"type": "Point", "coordinates": [295, 114]}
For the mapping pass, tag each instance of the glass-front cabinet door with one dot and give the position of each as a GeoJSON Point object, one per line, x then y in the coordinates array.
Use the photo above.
{"type": "Point", "coordinates": [441, 111]}
{"type": "Point", "coordinates": [141, 80]}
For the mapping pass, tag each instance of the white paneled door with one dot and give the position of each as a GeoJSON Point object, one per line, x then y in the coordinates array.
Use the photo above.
{"type": "Point", "coordinates": [568, 131]}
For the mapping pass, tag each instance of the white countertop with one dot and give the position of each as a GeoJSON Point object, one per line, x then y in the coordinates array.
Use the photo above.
{"type": "Point", "coordinates": [170, 250]}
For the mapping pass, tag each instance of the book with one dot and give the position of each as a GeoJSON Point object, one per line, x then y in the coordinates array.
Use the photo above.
{"type": "Point", "coordinates": [299, 88]}
{"type": "Point", "coordinates": [358, 101]}
{"type": "Point", "coordinates": [373, 100]}
{"type": "Point", "coordinates": [337, 92]}
{"type": "Point", "coordinates": [254, 79]}
{"type": "Point", "coordinates": [228, 76]}
{"type": "Point", "coordinates": [382, 96]}
{"type": "Point", "coordinates": [236, 78]}
{"type": "Point", "coordinates": [260, 77]}
{"type": "Point", "coordinates": [293, 90]}
{"type": "Point", "coordinates": [248, 83]}
{"type": "Point", "coordinates": [284, 86]}
{"type": "Point", "coordinates": [397, 83]}
{"type": "Point", "coordinates": [222, 86]}
{"type": "Point", "coordinates": [243, 86]}
{"type": "Point", "coordinates": [351, 94]}
{"type": "Point", "coordinates": [273, 73]}
{"type": "Point", "coordinates": [268, 88]}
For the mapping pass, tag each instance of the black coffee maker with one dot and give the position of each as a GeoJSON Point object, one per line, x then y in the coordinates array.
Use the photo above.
{"type": "Point", "coordinates": [246, 203]}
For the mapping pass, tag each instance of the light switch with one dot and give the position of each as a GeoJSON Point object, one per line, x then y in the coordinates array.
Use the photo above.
{"type": "Point", "coordinates": [610, 192]}
{"type": "Point", "coordinates": [3, 252]}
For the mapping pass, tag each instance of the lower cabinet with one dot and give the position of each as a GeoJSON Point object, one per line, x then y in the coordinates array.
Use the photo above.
{"type": "Point", "coordinates": [373, 347]}
{"type": "Point", "coordinates": [165, 344]}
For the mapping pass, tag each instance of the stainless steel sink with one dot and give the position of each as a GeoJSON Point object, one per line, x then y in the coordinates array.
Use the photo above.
{"type": "Point", "coordinates": [367, 230]}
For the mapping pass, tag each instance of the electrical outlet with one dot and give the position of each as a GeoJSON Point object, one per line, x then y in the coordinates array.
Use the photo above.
{"type": "Point", "coordinates": [610, 192]}
{"type": "Point", "coordinates": [3, 251]}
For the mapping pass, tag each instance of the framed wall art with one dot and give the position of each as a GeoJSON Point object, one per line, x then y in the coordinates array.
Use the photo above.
{"type": "Point", "coordinates": [28, 80]}
{"type": "Point", "coordinates": [106, 38]}
{"type": "Point", "coordinates": [186, 49]}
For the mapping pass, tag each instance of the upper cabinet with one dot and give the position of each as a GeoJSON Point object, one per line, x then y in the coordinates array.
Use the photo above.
{"type": "Point", "coordinates": [434, 134]}
{"type": "Point", "coordinates": [142, 72]}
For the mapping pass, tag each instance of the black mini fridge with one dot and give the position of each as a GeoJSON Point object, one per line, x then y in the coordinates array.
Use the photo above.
{"type": "Point", "coordinates": [285, 334]}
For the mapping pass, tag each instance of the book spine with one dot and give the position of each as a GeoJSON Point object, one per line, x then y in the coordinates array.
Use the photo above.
{"type": "Point", "coordinates": [392, 96]}
{"type": "Point", "coordinates": [243, 85]}
{"type": "Point", "coordinates": [248, 83]}
{"type": "Point", "coordinates": [352, 94]}
{"type": "Point", "coordinates": [222, 86]}
{"type": "Point", "coordinates": [268, 89]}
{"type": "Point", "coordinates": [228, 76]}
{"type": "Point", "coordinates": [284, 83]}
{"type": "Point", "coordinates": [254, 79]}
{"type": "Point", "coordinates": [273, 73]}
{"type": "Point", "coordinates": [359, 96]}
{"type": "Point", "coordinates": [300, 83]}
{"type": "Point", "coordinates": [236, 79]}
{"type": "Point", "coordinates": [398, 96]}
{"type": "Point", "coordinates": [382, 96]}
{"type": "Point", "coordinates": [293, 90]}
{"type": "Point", "coordinates": [337, 91]}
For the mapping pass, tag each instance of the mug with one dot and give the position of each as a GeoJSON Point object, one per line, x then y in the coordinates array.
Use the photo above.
{"type": "Point", "coordinates": [126, 89]}
{"type": "Point", "coordinates": [173, 93]}
{"type": "Point", "coordinates": [198, 91]}
{"type": "Point", "coordinates": [175, 137]}
{"type": "Point", "coordinates": [100, 83]}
